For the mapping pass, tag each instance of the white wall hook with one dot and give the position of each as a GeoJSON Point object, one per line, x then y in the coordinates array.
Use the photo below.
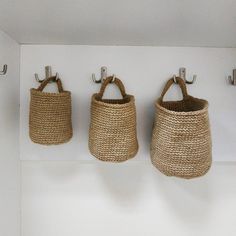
{"type": "Point", "coordinates": [4, 70]}
{"type": "Point", "coordinates": [48, 74]}
{"type": "Point", "coordinates": [103, 75]}
{"type": "Point", "coordinates": [232, 80]}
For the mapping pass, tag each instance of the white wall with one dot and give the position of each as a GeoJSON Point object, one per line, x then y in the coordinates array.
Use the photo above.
{"type": "Point", "coordinates": [129, 199]}
{"type": "Point", "coordinates": [9, 138]}
{"type": "Point", "coordinates": [144, 71]}
{"type": "Point", "coordinates": [79, 195]}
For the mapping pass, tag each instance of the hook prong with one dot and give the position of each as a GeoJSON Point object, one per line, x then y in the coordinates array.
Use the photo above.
{"type": "Point", "coordinates": [192, 81]}
{"type": "Point", "coordinates": [182, 75]}
{"type": "Point", "coordinates": [37, 78]}
{"type": "Point", "coordinates": [4, 70]}
{"type": "Point", "coordinates": [113, 78]}
{"type": "Point", "coordinates": [95, 80]}
{"type": "Point", "coordinates": [57, 76]}
{"type": "Point", "coordinates": [232, 79]}
{"type": "Point", "coordinates": [103, 75]}
{"type": "Point", "coordinates": [174, 78]}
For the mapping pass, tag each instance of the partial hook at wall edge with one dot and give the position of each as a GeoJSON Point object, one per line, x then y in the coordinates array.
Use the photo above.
{"type": "Point", "coordinates": [4, 71]}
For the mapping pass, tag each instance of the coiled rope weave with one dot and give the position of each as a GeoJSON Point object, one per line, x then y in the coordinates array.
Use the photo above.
{"type": "Point", "coordinates": [50, 115]}
{"type": "Point", "coordinates": [112, 134]}
{"type": "Point", "coordinates": [181, 141]}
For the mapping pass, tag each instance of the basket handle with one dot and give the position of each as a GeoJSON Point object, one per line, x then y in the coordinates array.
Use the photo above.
{"type": "Point", "coordinates": [116, 81]}
{"type": "Point", "coordinates": [171, 81]}
{"type": "Point", "coordinates": [53, 79]}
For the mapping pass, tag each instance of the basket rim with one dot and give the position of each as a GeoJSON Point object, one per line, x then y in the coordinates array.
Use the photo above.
{"type": "Point", "coordinates": [183, 113]}
{"type": "Point", "coordinates": [114, 105]}
{"type": "Point", "coordinates": [49, 93]}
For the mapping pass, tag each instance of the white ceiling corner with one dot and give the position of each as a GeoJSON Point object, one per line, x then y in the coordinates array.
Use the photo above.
{"type": "Point", "coordinates": [210, 23]}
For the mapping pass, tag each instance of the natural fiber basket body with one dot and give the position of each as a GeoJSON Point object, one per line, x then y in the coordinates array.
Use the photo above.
{"type": "Point", "coordinates": [50, 115]}
{"type": "Point", "coordinates": [112, 135]}
{"type": "Point", "coordinates": [181, 140]}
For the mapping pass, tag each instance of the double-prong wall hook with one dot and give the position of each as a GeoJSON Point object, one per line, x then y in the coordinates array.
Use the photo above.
{"type": "Point", "coordinates": [232, 80]}
{"type": "Point", "coordinates": [103, 76]}
{"type": "Point", "coordinates": [4, 70]}
{"type": "Point", "coordinates": [182, 75]}
{"type": "Point", "coordinates": [48, 74]}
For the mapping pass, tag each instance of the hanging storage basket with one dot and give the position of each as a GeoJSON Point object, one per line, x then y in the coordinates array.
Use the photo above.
{"type": "Point", "coordinates": [50, 115]}
{"type": "Point", "coordinates": [112, 135]}
{"type": "Point", "coordinates": [181, 140]}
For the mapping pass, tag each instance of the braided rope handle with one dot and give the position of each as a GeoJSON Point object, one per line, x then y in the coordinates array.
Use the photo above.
{"type": "Point", "coordinates": [116, 81]}
{"type": "Point", "coordinates": [46, 81]}
{"type": "Point", "coordinates": [181, 84]}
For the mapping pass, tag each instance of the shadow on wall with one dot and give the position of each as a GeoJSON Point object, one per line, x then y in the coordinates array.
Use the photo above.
{"type": "Point", "coordinates": [124, 182]}
{"type": "Point", "coordinates": [149, 110]}
{"type": "Point", "coordinates": [136, 187]}
{"type": "Point", "coordinates": [190, 201]}
{"type": "Point", "coordinates": [59, 172]}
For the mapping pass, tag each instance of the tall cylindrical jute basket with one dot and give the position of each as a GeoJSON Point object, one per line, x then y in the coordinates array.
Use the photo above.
{"type": "Point", "coordinates": [50, 115]}
{"type": "Point", "coordinates": [181, 140]}
{"type": "Point", "coordinates": [112, 134]}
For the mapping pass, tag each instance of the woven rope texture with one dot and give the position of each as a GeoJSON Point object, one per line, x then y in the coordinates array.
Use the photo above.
{"type": "Point", "coordinates": [50, 115]}
{"type": "Point", "coordinates": [112, 135]}
{"type": "Point", "coordinates": [181, 141]}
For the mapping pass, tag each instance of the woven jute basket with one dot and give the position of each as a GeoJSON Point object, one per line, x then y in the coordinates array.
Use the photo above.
{"type": "Point", "coordinates": [181, 141]}
{"type": "Point", "coordinates": [50, 115]}
{"type": "Point", "coordinates": [113, 135]}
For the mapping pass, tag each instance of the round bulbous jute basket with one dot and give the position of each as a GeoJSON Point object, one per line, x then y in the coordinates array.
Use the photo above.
{"type": "Point", "coordinates": [50, 115]}
{"type": "Point", "coordinates": [112, 134]}
{"type": "Point", "coordinates": [181, 140]}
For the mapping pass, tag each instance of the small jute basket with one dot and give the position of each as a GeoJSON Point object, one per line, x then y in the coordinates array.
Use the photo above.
{"type": "Point", "coordinates": [50, 115]}
{"type": "Point", "coordinates": [181, 140]}
{"type": "Point", "coordinates": [113, 135]}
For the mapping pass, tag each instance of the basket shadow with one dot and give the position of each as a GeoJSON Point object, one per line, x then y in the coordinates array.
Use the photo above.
{"type": "Point", "coordinates": [123, 181]}
{"type": "Point", "coordinates": [145, 121]}
{"type": "Point", "coordinates": [189, 200]}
